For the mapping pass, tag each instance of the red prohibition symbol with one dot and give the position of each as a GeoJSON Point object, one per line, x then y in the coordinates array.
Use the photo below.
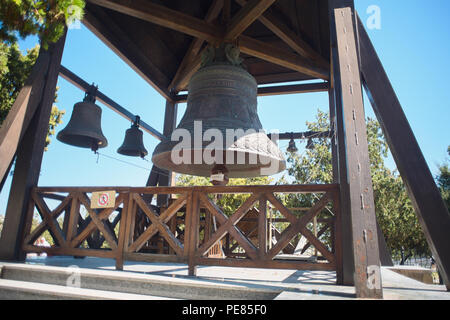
{"type": "Point", "coordinates": [103, 199]}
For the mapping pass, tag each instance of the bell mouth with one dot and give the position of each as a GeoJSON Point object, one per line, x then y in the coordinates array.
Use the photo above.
{"type": "Point", "coordinates": [264, 166]}
{"type": "Point", "coordinates": [253, 155]}
{"type": "Point", "coordinates": [81, 141]}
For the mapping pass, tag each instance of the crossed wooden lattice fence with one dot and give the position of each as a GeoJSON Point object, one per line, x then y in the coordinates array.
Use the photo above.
{"type": "Point", "coordinates": [191, 229]}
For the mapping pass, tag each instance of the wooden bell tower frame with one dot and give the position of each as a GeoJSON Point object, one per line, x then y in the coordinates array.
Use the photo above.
{"type": "Point", "coordinates": [353, 65]}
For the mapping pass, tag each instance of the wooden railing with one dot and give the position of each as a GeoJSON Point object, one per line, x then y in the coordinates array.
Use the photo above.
{"type": "Point", "coordinates": [191, 229]}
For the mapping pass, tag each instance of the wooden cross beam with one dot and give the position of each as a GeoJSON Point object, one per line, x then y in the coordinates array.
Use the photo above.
{"type": "Point", "coordinates": [187, 64]}
{"type": "Point", "coordinates": [423, 192]}
{"type": "Point", "coordinates": [278, 90]}
{"type": "Point", "coordinates": [246, 16]}
{"type": "Point", "coordinates": [280, 29]}
{"type": "Point", "coordinates": [99, 23]}
{"type": "Point", "coordinates": [199, 28]}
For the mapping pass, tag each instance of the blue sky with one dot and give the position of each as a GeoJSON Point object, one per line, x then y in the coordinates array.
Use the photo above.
{"type": "Point", "coordinates": [412, 44]}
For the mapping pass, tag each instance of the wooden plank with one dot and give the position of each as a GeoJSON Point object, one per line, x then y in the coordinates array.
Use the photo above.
{"type": "Point", "coordinates": [123, 229]}
{"type": "Point", "coordinates": [272, 264]}
{"type": "Point", "coordinates": [107, 233]}
{"type": "Point", "coordinates": [50, 221]}
{"type": "Point", "coordinates": [110, 103]}
{"type": "Point", "coordinates": [262, 227]}
{"type": "Point", "coordinates": [246, 16]}
{"type": "Point", "coordinates": [16, 123]}
{"type": "Point", "coordinates": [192, 232]}
{"type": "Point", "coordinates": [295, 188]}
{"type": "Point", "coordinates": [187, 72]}
{"type": "Point", "coordinates": [181, 77]}
{"type": "Point", "coordinates": [115, 39]}
{"type": "Point", "coordinates": [198, 28]}
{"type": "Point", "coordinates": [74, 215]}
{"type": "Point", "coordinates": [278, 27]}
{"type": "Point", "coordinates": [163, 229]}
{"type": "Point", "coordinates": [348, 266]}
{"type": "Point", "coordinates": [367, 276]}
{"type": "Point", "coordinates": [166, 177]}
{"type": "Point", "coordinates": [229, 226]}
{"type": "Point", "coordinates": [423, 192]}
{"type": "Point", "coordinates": [58, 251]}
{"type": "Point", "coordinates": [164, 17]}
{"type": "Point", "coordinates": [154, 257]}
{"type": "Point", "coordinates": [152, 229]}
{"type": "Point", "coordinates": [28, 161]}
{"type": "Point", "coordinates": [281, 57]}
{"type": "Point", "coordinates": [31, 237]}
{"type": "Point", "coordinates": [278, 90]}
{"type": "Point", "coordinates": [104, 214]}
{"type": "Point", "coordinates": [299, 226]}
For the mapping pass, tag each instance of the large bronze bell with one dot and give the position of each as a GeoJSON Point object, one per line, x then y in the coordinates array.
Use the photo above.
{"type": "Point", "coordinates": [84, 127]}
{"type": "Point", "coordinates": [133, 144]}
{"type": "Point", "coordinates": [222, 96]}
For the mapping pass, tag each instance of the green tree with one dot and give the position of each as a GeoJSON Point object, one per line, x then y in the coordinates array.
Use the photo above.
{"type": "Point", "coordinates": [43, 18]}
{"type": "Point", "coordinates": [229, 203]}
{"type": "Point", "coordinates": [393, 207]}
{"type": "Point", "coordinates": [14, 70]}
{"type": "Point", "coordinates": [443, 180]}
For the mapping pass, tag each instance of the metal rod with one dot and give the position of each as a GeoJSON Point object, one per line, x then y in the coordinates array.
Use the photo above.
{"type": "Point", "coordinates": [83, 85]}
{"type": "Point", "coordinates": [303, 135]}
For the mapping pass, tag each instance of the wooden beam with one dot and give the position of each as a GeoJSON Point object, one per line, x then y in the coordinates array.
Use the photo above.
{"type": "Point", "coordinates": [423, 192]}
{"type": "Point", "coordinates": [181, 77]}
{"type": "Point", "coordinates": [274, 24]}
{"type": "Point", "coordinates": [278, 90]}
{"type": "Point", "coordinates": [199, 28]}
{"type": "Point", "coordinates": [99, 23]}
{"type": "Point", "coordinates": [29, 158]}
{"type": "Point", "coordinates": [293, 89]}
{"type": "Point", "coordinates": [281, 57]}
{"type": "Point", "coordinates": [83, 85]}
{"type": "Point", "coordinates": [164, 17]}
{"type": "Point", "coordinates": [166, 178]}
{"type": "Point", "coordinates": [357, 182]}
{"type": "Point", "coordinates": [19, 117]}
{"type": "Point", "coordinates": [246, 16]}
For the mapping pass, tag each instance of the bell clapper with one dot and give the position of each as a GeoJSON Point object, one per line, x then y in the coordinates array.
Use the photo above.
{"type": "Point", "coordinates": [219, 175]}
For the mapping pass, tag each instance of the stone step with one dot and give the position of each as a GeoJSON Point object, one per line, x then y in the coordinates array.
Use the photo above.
{"type": "Point", "coordinates": [135, 283]}
{"type": "Point", "coordinates": [25, 290]}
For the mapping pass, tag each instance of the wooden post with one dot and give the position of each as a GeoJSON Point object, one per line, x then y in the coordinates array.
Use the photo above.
{"type": "Point", "coordinates": [356, 184]}
{"type": "Point", "coordinates": [29, 154]}
{"type": "Point", "coordinates": [262, 227]}
{"type": "Point", "coordinates": [123, 231]}
{"type": "Point", "coordinates": [191, 230]}
{"type": "Point", "coordinates": [340, 161]}
{"type": "Point", "coordinates": [167, 178]}
{"type": "Point", "coordinates": [423, 192]}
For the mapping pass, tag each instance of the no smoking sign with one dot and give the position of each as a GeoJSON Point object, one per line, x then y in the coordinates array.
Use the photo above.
{"type": "Point", "coordinates": [103, 199]}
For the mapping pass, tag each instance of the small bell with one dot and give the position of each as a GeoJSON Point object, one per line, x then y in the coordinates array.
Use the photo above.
{"type": "Point", "coordinates": [84, 127]}
{"type": "Point", "coordinates": [292, 148]}
{"type": "Point", "coordinates": [310, 144]}
{"type": "Point", "coordinates": [133, 144]}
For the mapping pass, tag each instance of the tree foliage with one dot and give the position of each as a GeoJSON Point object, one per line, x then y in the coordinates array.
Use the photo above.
{"type": "Point", "coordinates": [393, 207]}
{"type": "Point", "coordinates": [43, 18]}
{"type": "Point", "coordinates": [229, 203]}
{"type": "Point", "coordinates": [443, 180]}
